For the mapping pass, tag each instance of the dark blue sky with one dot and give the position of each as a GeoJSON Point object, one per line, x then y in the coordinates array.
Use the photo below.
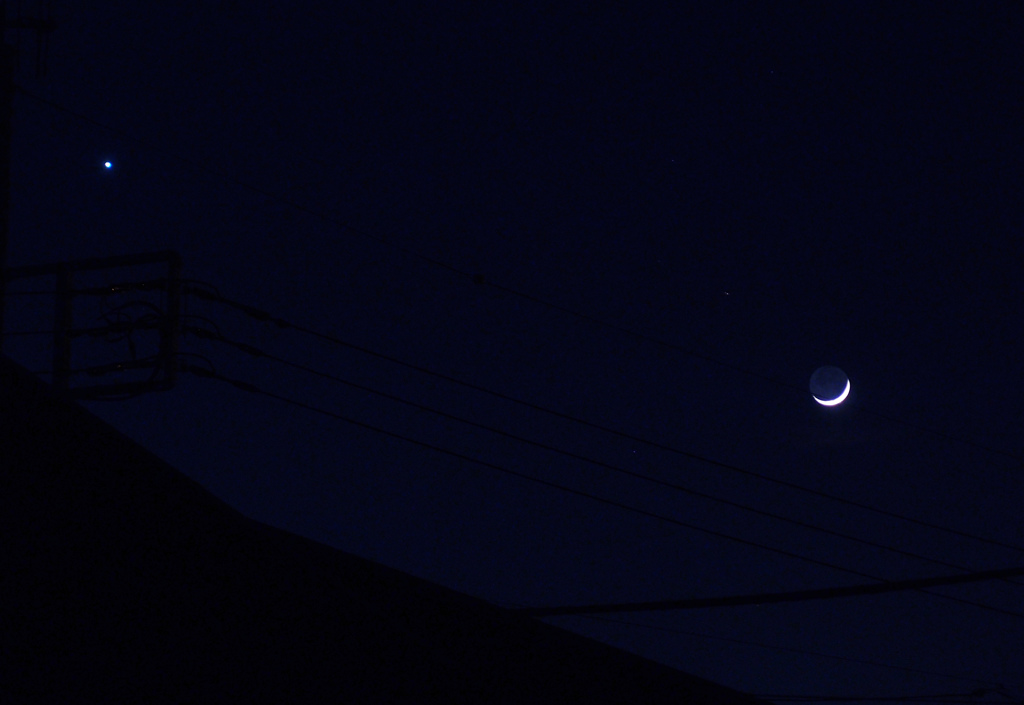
{"type": "Point", "coordinates": [752, 190]}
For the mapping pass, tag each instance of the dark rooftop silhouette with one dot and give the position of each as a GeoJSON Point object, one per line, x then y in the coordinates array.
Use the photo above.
{"type": "Point", "coordinates": [125, 580]}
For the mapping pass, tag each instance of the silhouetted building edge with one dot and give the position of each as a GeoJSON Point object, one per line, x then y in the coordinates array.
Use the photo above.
{"type": "Point", "coordinates": [124, 580]}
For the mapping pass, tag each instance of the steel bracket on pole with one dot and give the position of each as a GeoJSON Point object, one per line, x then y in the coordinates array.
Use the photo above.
{"type": "Point", "coordinates": [161, 365]}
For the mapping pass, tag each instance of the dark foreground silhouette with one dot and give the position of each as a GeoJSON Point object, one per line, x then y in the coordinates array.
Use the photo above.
{"type": "Point", "coordinates": [123, 580]}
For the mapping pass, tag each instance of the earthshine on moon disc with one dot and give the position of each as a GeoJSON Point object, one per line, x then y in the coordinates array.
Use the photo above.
{"type": "Point", "coordinates": [829, 386]}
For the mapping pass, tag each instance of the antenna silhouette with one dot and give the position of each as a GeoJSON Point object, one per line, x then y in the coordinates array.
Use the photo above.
{"type": "Point", "coordinates": [8, 65]}
{"type": "Point", "coordinates": [40, 26]}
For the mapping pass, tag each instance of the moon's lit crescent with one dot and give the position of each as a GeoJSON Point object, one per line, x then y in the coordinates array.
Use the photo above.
{"type": "Point", "coordinates": [837, 400]}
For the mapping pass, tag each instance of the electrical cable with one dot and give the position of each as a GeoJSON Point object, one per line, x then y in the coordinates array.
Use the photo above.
{"type": "Point", "coordinates": [150, 362]}
{"type": "Point", "coordinates": [759, 599]}
{"type": "Point", "coordinates": [130, 325]}
{"type": "Point", "coordinates": [784, 649]}
{"type": "Point", "coordinates": [921, 701]}
{"type": "Point", "coordinates": [253, 389]}
{"type": "Point", "coordinates": [744, 371]}
{"type": "Point", "coordinates": [941, 698]}
{"type": "Point", "coordinates": [24, 333]}
{"type": "Point", "coordinates": [884, 586]}
{"type": "Point", "coordinates": [962, 701]}
{"type": "Point", "coordinates": [479, 280]}
{"type": "Point", "coordinates": [256, 352]}
{"type": "Point", "coordinates": [150, 322]}
{"type": "Point", "coordinates": [265, 317]}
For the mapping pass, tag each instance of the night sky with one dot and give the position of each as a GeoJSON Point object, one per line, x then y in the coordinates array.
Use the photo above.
{"type": "Point", "coordinates": [659, 222]}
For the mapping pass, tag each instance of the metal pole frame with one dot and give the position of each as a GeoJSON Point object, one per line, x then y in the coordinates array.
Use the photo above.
{"type": "Point", "coordinates": [166, 364]}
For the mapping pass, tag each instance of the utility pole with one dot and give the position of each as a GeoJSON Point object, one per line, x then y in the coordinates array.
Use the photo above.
{"type": "Point", "coordinates": [159, 369]}
{"type": "Point", "coordinates": [8, 65]}
{"type": "Point", "coordinates": [8, 60]}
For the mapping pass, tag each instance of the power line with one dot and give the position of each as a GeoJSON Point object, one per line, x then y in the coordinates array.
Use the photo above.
{"type": "Point", "coordinates": [925, 701]}
{"type": "Point", "coordinates": [24, 333]}
{"type": "Point", "coordinates": [479, 279]}
{"type": "Point", "coordinates": [971, 697]}
{"type": "Point", "coordinates": [812, 491]}
{"type": "Point", "coordinates": [966, 700]}
{"type": "Point", "coordinates": [253, 389]}
{"type": "Point", "coordinates": [831, 593]}
{"type": "Point", "coordinates": [784, 649]}
{"type": "Point", "coordinates": [150, 322]}
{"type": "Point", "coordinates": [256, 352]}
{"type": "Point", "coordinates": [265, 317]}
{"type": "Point", "coordinates": [990, 686]}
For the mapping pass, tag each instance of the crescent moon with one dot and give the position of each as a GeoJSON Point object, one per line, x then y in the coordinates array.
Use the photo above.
{"type": "Point", "coordinates": [837, 400]}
